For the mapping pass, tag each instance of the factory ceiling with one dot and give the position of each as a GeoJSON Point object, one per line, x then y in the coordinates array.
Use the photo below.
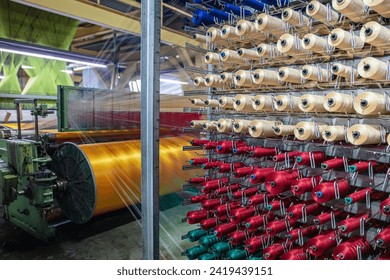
{"type": "Point", "coordinates": [123, 16]}
{"type": "Point", "coordinates": [110, 29]}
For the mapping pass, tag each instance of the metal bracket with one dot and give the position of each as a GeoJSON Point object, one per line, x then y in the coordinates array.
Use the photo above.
{"type": "Point", "coordinates": [387, 101]}
{"type": "Point", "coordinates": [265, 220]}
{"type": "Point", "coordinates": [329, 48]}
{"type": "Point", "coordinates": [346, 166]}
{"type": "Point", "coordinates": [301, 241]}
{"type": "Point", "coordinates": [352, 77]}
{"type": "Point", "coordinates": [328, 12]}
{"type": "Point", "coordinates": [265, 200]}
{"type": "Point", "coordinates": [263, 242]}
{"type": "Point", "coordinates": [317, 132]}
{"type": "Point", "coordinates": [282, 207]}
{"type": "Point", "coordinates": [312, 161]}
{"type": "Point", "coordinates": [228, 209]}
{"type": "Point", "coordinates": [287, 159]}
{"type": "Point", "coordinates": [243, 198]}
{"type": "Point", "coordinates": [308, 256]}
{"type": "Point", "coordinates": [284, 245]}
{"type": "Point", "coordinates": [336, 190]}
{"type": "Point", "coordinates": [368, 200]}
{"type": "Point", "coordinates": [288, 226]}
{"type": "Point", "coordinates": [382, 133]}
{"type": "Point", "coordinates": [313, 181]}
{"type": "Point", "coordinates": [338, 239]}
{"type": "Point", "coordinates": [319, 72]}
{"type": "Point", "coordinates": [386, 180]}
{"type": "Point", "coordinates": [304, 214]}
{"type": "Point", "coordinates": [246, 232]}
{"type": "Point", "coordinates": [297, 42]}
{"type": "Point", "coordinates": [353, 40]}
{"type": "Point", "coordinates": [333, 223]}
{"type": "Point", "coordinates": [370, 170]}
{"type": "Point", "coordinates": [359, 253]}
{"type": "Point", "coordinates": [362, 229]}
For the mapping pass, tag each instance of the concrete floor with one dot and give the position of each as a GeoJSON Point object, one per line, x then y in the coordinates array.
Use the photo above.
{"type": "Point", "coordinates": [116, 236]}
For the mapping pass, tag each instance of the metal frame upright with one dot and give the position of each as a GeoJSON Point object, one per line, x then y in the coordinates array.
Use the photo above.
{"type": "Point", "coordinates": [150, 109]}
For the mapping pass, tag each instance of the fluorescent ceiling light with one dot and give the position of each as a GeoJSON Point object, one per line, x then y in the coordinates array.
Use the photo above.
{"type": "Point", "coordinates": [27, 67]}
{"type": "Point", "coordinates": [135, 85]}
{"type": "Point", "coordinates": [67, 71]}
{"type": "Point", "coordinates": [26, 49]}
{"type": "Point", "coordinates": [52, 57]}
{"type": "Point", "coordinates": [81, 68]}
{"type": "Point", "coordinates": [169, 81]}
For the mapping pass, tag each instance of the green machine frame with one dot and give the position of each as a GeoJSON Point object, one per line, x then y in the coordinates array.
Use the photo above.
{"type": "Point", "coordinates": [68, 110]}
{"type": "Point", "coordinates": [26, 187]}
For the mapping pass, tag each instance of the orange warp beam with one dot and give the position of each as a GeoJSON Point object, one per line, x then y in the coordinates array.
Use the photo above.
{"type": "Point", "coordinates": [117, 170]}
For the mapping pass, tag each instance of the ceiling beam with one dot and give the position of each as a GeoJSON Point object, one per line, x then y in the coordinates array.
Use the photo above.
{"type": "Point", "coordinates": [102, 39]}
{"type": "Point", "coordinates": [179, 68]}
{"type": "Point", "coordinates": [84, 51]}
{"type": "Point", "coordinates": [184, 53]}
{"type": "Point", "coordinates": [129, 56]}
{"type": "Point", "coordinates": [85, 32]}
{"type": "Point", "coordinates": [136, 4]}
{"type": "Point", "coordinates": [127, 75]}
{"type": "Point", "coordinates": [93, 13]}
{"type": "Point", "coordinates": [132, 3]}
{"type": "Point", "coordinates": [177, 10]}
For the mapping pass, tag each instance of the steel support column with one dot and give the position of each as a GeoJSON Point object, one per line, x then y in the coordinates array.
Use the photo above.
{"type": "Point", "coordinates": [150, 110]}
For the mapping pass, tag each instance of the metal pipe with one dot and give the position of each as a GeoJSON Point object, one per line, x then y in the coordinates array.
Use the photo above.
{"type": "Point", "coordinates": [150, 109]}
{"type": "Point", "coordinates": [18, 120]}
{"type": "Point", "coordinates": [36, 128]}
{"type": "Point", "coordinates": [19, 115]}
